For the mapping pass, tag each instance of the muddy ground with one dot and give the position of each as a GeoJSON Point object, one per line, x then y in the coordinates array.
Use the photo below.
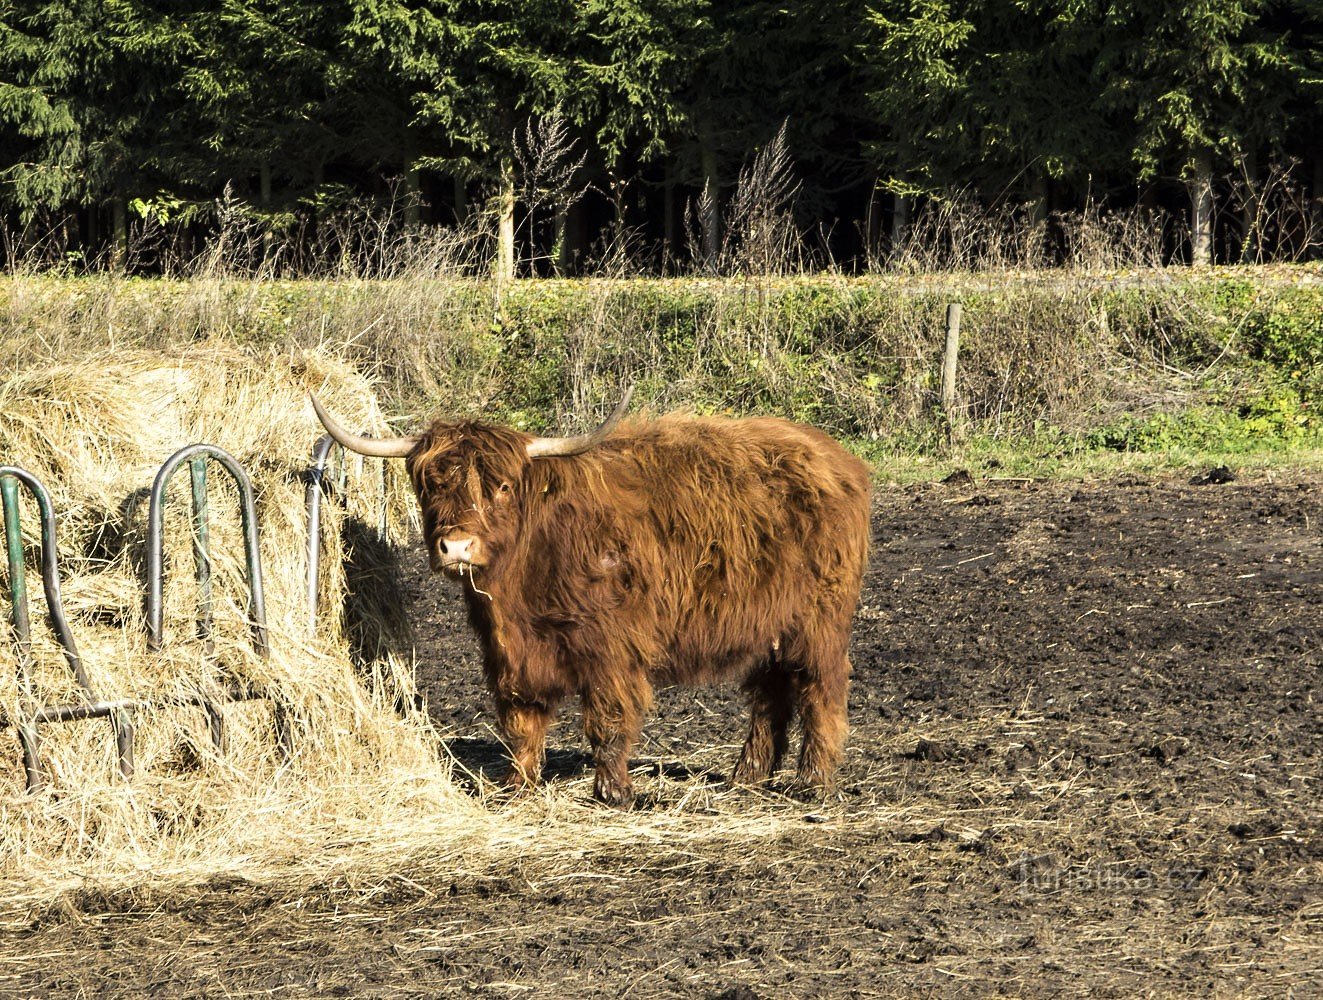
{"type": "Point", "coordinates": [1085, 759]}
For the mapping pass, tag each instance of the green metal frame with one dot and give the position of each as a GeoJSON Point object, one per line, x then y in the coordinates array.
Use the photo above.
{"type": "Point", "coordinates": [32, 713]}
{"type": "Point", "coordinates": [196, 455]}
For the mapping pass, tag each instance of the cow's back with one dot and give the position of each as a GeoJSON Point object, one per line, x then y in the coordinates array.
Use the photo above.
{"type": "Point", "coordinates": [752, 525]}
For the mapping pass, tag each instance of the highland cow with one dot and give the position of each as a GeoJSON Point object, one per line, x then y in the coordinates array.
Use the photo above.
{"type": "Point", "coordinates": [677, 550]}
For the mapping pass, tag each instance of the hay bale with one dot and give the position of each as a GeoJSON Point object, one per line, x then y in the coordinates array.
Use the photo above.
{"type": "Point", "coordinates": [95, 431]}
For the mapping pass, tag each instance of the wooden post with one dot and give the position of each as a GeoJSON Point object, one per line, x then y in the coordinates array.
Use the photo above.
{"type": "Point", "coordinates": [949, 360]}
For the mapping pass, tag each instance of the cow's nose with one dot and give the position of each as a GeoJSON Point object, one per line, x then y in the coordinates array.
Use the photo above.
{"type": "Point", "coordinates": [457, 548]}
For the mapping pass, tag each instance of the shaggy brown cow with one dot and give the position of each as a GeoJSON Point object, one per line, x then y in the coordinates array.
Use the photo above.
{"type": "Point", "coordinates": [677, 550]}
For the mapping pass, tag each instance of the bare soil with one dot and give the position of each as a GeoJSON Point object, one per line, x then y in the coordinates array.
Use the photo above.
{"type": "Point", "coordinates": [1085, 759]}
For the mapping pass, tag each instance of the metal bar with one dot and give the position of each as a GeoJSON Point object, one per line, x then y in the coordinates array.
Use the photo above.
{"type": "Point", "coordinates": [155, 556]}
{"type": "Point", "coordinates": [342, 471]}
{"type": "Point", "coordinates": [29, 738]}
{"type": "Point", "coordinates": [381, 507]}
{"type": "Point", "coordinates": [252, 551]}
{"type": "Point", "coordinates": [321, 451]}
{"type": "Point", "coordinates": [18, 581]}
{"type": "Point", "coordinates": [50, 572]}
{"type": "Point", "coordinates": [197, 468]}
{"type": "Point", "coordinates": [216, 726]}
{"type": "Point", "coordinates": [34, 775]}
{"type": "Point", "coordinates": [109, 709]}
{"type": "Point", "coordinates": [122, 722]}
{"type": "Point", "coordinates": [195, 456]}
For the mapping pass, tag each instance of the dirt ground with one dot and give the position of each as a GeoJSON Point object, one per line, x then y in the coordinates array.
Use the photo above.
{"type": "Point", "coordinates": [1085, 759]}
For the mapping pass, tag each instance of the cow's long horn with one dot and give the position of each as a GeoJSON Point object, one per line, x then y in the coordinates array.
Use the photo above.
{"type": "Point", "coordinates": [560, 447]}
{"type": "Point", "coordinates": [372, 447]}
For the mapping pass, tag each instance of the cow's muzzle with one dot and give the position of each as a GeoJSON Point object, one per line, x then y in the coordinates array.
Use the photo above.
{"type": "Point", "coordinates": [453, 554]}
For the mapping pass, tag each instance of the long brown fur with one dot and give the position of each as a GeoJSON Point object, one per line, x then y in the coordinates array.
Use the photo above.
{"type": "Point", "coordinates": [681, 550]}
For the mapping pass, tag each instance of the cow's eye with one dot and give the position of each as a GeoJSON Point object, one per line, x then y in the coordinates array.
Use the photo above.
{"type": "Point", "coordinates": [503, 491]}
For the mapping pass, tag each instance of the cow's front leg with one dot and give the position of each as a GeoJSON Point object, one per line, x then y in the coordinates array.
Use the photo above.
{"type": "Point", "coordinates": [613, 711]}
{"type": "Point", "coordinates": [525, 724]}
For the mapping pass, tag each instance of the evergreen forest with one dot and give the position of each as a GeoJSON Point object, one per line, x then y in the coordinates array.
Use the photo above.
{"type": "Point", "coordinates": [576, 128]}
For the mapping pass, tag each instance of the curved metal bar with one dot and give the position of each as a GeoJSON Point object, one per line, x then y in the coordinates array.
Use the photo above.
{"type": "Point", "coordinates": [50, 567]}
{"type": "Point", "coordinates": [252, 552]}
{"type": "Point", "coordinates": [195, 455]}
{"type": "Point", "coordinates": [29, 737]}
{"type": "Point", "coordinates": [18, 579]}
{"type": "Point", "coordinates": [197, 471]}
{"type": "Point", "coordinates": [319, 484]}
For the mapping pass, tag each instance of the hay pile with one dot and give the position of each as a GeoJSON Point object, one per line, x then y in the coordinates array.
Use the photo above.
{"type": "Point", "coordinates": [95, 431]}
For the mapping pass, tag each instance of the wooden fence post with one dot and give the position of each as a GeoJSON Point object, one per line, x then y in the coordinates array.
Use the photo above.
{"type": "Point", "coordinates": [949, 360]}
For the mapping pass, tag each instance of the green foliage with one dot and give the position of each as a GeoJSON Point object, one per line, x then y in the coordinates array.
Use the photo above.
{"type": "Point", "coordinates": [1072, 89]}
{"type": "Point", "coordinates": [1276, 420]}
{"type": "Point", "coordinates": [1197, 76]}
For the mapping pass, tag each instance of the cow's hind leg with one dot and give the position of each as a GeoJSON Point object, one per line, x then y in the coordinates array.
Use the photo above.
{"type": "Point", "coordinates": [771, 706]}
{"type": "Point", "coordinates": [821, 672]}
{"type": "Point", "coordinates": [613, 710]}
{"type": "Point", "coordinates": [525, 724]}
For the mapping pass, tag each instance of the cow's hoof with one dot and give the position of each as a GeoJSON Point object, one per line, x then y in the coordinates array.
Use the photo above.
{"type": "Point", "coordinates": [611, 792]}
{"type": "Point", "coordinates": [515, 783]}
{"type": "Point", "coordinates": [802, 790]}
{"type": "Point", "coordinates": [749, 779]}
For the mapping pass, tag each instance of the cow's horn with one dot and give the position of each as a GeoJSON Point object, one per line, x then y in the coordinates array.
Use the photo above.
{"type": "Point", "coordinates": [372, 447]}
{"type": "Point", "coordinates": [560, 447]}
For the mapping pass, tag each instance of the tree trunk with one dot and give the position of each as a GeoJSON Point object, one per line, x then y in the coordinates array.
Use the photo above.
{"type": "Point", "coordinates": [1040, 209]}
{"type": "Point", "coordinates": [1039, 200]}
{"type": "Point", "coordinates": [900, 220]}
{"type": "Point", "coordinates": [1318, 172]}
{"type": "Point", "coordinates": [318, 179]}
{"type": "Point", "coordinates": [413, 198]}
{"type": "Point", "coordinates": [668, 218]}
{"type": "Point", "coordinates": [711, 206]}
{"type": "Point", "coordinates": [1201, 210]}
{"type": "Point", "coordinates": [872, 224]}
{"type": "Point", "coordinates": [264, 194]}
{"type": "Point", "coordinates": [120, 224]}
{"type": "Point", "coordinates": [1250, 234]}
{"type": "Point", "coordinates": [563, 257]}
{"type": "Point", "coordinates": [505, 209]}
{"type": "Point", "coordinates": [461, 199]}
